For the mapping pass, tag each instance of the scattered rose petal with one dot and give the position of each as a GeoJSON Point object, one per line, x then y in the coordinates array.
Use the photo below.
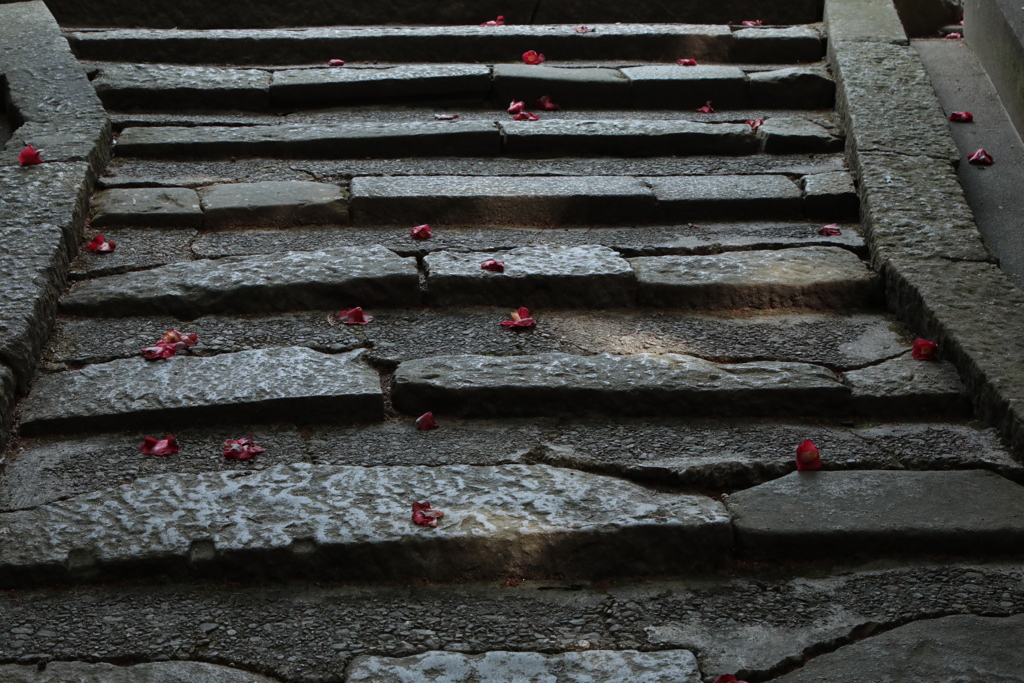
{"type": "Point", "coordinates": [520, 319]}
{"type": "Point", "coordinates": [584, 29]}
{"type": "Point", "coordinates": [754, 124]}
{"type": "Point", "coordinates": [532, 57]}
{"type": "Point", "coordinates": [100, 245]}
{"type": "Point", "coordinates": [686, 62]}
{"type": "Point", "coordinates": [165, 446]}
{"type": "Point", "coordinates": [336, 62]}
{"type": "Point", "coordinates": [545, 104]}
{"type": "Point", "coordinates": [830, 230]}
{"type": "Point", "coordinates": [421, 232]}
{"type": "Point", "coordinates": [500, 21]}
{"type": "Point", "coordinates": [426, 422]}
{"type": "Point", "coordinates": [159, 351]}
{"type": "Point", "coordinates": [515, 106]}
{"type": "Point", "coordinates": [30, 156]}
{"type": "Point", "coordinates": [355, 316]}
{"type": "Point", "coordinates": [172, 342]}
{"type": "Point", "coordinates": [981, 158]}
{"type": "Point", "coordinates": [961, 116]}
{"type": "Point", "coordinates": [728, 678]}
{"type": "Point", "coordinates": [706, 109]}
{"type": "Point", "coordinates": [807, 456]}
{"type": "Point", "coordinates": [493, 266]}
{"type": "Point", "coordinates": [241, 449]}
{"type": "Point", "coordinates": [424, 516]}
{"type": "Point", "coordinates": [954, 36]}
{"type": "Point", "coordinates": [526, 116]}
{"type": "Point", "coordinates": [924, 350]}
{"type": "Point", "coordinates": [446, 117]}
{"type": "Point", "coordinates": [756, 22]}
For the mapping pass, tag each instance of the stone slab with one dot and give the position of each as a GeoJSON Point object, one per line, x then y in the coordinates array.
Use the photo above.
{"type": "Point", "coordinates": [549, 138]}
{"type": "Point", "coordinates": [336, 141]}
{"type": "Point", "coordinates": [137, 249]}
{"type": "Point", "coordinates": [811, 515]}
{"type": "Point", "coordinates": [354, 523]}
{"type": "Point", "coordinates": [831, 197]}
{"type": "Point", "coordinates": [149, 86]}
{"type": "Point", "coordinates": [792, 135]}
{"type": "Point", "coordinates": [811, 277]}
{"type": "Point", "coordinates": [596, 87]}
{"type": "Point", "coordinates": [693, 11]}
{"type": "Point", "coordinates": [571, 277]}
{"type": "Point", "coordinates": [642, 384]}
{"type": "Point", "coordinates": [153, 207]}
{"type": "Point", "coordinates": [733, 196]}
{"type": "Point", "coordinates": [1000, 57]}
{"type": "Point", "coordinates": [799, 87]}
{"type": "Point", "coordinates": [87, 139]}
{"type": "Point", "coordinates": [864, 21]}
{"type": "Point", "coordinates": [500, 200]}
{"type": "Point", "coordinates": [101, 672]}
{"type": "Point", "coordinates": [777, 45]}
{"type": "Point", "coordinates": [273, 282]}
{"type": "Point", "coordinates": [334, 85]}
{"type": "Point", "coordinates": [283, 384]}
{"type": "Point", "coordinates": [594, 666]}
{"type": "Point", "coordinates": [675, 87]}
{"type": "Point", "coordinates": [904, 385]}
{"type": "Point", "coordinates": [272, 204]}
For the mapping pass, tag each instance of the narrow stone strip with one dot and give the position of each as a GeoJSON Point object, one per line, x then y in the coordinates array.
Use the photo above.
{"type": "Point", "coordinates": [333, 85]}
{"type": "Point", "coordinates": [128, 86]}
{"type": "Point", "coordinates": [158, 672]}
{"type": "Point", "coordinates": [733, 196]}
{"type": "Point", "coordinates": [626, 138]}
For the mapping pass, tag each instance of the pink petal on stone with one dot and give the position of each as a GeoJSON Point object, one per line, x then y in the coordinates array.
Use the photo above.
{"type": "Point", "coordinates": [923, 349]}
{"type": "Point", "coordinates": [533, 57]}
{"type": "Point", "coordinates": [754, 123]}
{"type": "Point", "coordinates": [961, 116]}
{"type": "Point", "coordinates": [165, 446]}
{"type": "Point", "coordinates": [30, 156]}
{"type": "Point", "coordinates": [706, 109]}
{"type": "Point", "coordinates": [446, 117]}
{"type": "Point", "coordinates": [526, 116]}
{"type": "Point", "coordinates": [336, 62]}
{"type": "Point", "coordinates": [493, 266]}
{"type": "Point", "coordinates": [830, 230]}
{"type": "Point", "coordinates": [954, 36]}
{"type": "Point", "coordinates": [424, 516]}
{"type": "Point", "coordinates": [426, 422]}
{"type": "Point", "coordinates": [521, 319]}
{"type": "Point", "coordinates": [686, 62]}
{"type": "Point", "coordinates": [808, 458]}
{"type": "Point", "coordinates": [545, 104]}
{"type": "Point", "coordinates": [241, 449]}
{"type": "Point", "coordinates": [584, 29]}
{"type": "Point", "coordinates": [421, 232]}
{"type": "Point", "coordinates": [500, 21]}
{"type": "Point", "coordinates": [515, 106]}
{"type": "Point", "coordinates": [355, 316]}
{"type": "Point", "coordinates": [981, 158]}
{"type": "Point", "coordinates": [99, 245]}
{"type": "Point", "coordinates": [756, 22]}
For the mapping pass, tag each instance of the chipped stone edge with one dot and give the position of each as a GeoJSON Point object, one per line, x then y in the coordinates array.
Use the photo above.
{"type": "Point", "coordinates": [983, 340]}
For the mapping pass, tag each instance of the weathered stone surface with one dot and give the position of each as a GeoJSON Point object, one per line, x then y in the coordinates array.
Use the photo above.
{"type": "Point", "coordinates": [7, 400]}
{"type": "Point", "coordinates": [904, 385]}
{"type": "Point", "coordinates": [831, 197]}
{"type": "Point", "coordinates": [272, 282]}
{"type": "Point", "coordinates": [809, 515]}
{"type": "Point", "coordinates": [813, 277]}
{"type": "Point", "coordinates": [330, 85]}
{"type": "Point", "coordinates": [154, 207]}
{"type": "Point", "coordinates": [600, 88]}
{"type": "Point", "coordinates": [283, 384]}
{"type": "Point", "coordinates": [864, 21]}
{"type": "Point", "coordinates": [732, 196]}
{"type": "Point", "coordinates": [595, 666]}
{"type": "Point", "coordinates": [643, 384]}
{"type": "Point", "coordinates": [339, 141]}
{"type": "Point", "coordinates": [86, 139]}
{"type": "Point", "coordinates": [790, 135]}
{"type": "Point", "coordinates": [777, 45]}
{"type": "Point", "coordinates": [126, 86]}
{"type": "Point", "coordinates": [793, 88]}
{"type": "Point", "coordinates": [956, 648]}
{"type": "Point", "coordinates": [502, 200]}
{"type": "Point", "coordinates": [587, 276]}
{"type": "Point", "coordinates": [626, 138]}
{"type": "Point", "coordinates": [101, 672]}
{"type": "Point", "coordinates": [676, 87]}
{"type": "Point", "coordinates": [272, 204]}
{"type": "Point", "coordinates": [304, 519]}
{"type": "Point", "coordinates": [137, 249]}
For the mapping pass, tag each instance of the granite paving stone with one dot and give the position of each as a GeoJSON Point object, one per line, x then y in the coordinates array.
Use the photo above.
{"type": "Point", "coordinates": [675, 87]}
{"type": "Point", "coordinates": [156, 672]}
{"type": "Point", "coordinates": [86, 139]}
{"type": "Point", "coordinates": [809, 515]}
{"type": "Point", "coordinates": [302, 519]}
{"type": "Point", "coordinates": [831, 197]}
{"type": "Point", "coordinates": [126, 86]}
{"type": "Point", "coordinates": [793, 88]}
{"type": "Point", "coordinates": [811, 277]}
{"type": "Point", "coordinates": [865, 21]}
{"type": "Point", "coordinates": [795, 135]}
{"type": "Point", "coordinates": [153, 207]}
{"type": "Point", "coordinates": [335, 85]}
{"type": "Point", "coordinates": [285, 280]}
{"type": "Point", "coordinates": [775, 44]}
{"type": "Point", "coordinates": [600, 88]}
{"type": "Point", "coordinates": [137, 249]}
{"type": "Point", "coordinates": [733, 196]}
{"type": "Point", "coordinates": [272, 204]}
{"type": "Point", "coordinates": [640, 384]}
{"type": "Point", "coordinates": [626, 138]}
{"type": "Point", "coordinates": [907, 385]}
{"type": "Point", "coordinates": [280, 384]}
{"type": "Point", "coordinates": [586, 276]}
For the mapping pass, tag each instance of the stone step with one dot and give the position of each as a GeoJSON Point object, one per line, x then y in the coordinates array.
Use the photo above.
{"type": "Point", "coordinates": [155, 672]}
{"type": "Point", "coordinates": [301, 520]}
{"type": "Point", "coordinates": [333, 85]}
{"type": "Point", "coordinates": [450, 44]}
{"type": "Point", "coordinates": [272, 203]}
{"type": "Point", "coordinates": [626, 138]}
{"type": "Point", "coordinates": [721, 196]}
{"type": "Point", "coordinates": [811, 515]}
{"type": "Point", "coordinates": [287, 384]}
{"type": "Point", "coordinates": [128, 86]}
{"type": "Point", "coordinates": [285, 280]}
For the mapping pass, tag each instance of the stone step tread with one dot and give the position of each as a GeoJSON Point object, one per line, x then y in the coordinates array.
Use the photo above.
{"type": "Point", "coordinates": [287, 383]}
{"type": "Point", "coordinates": [151, 672]}
{"type": "Point", "coordinates": [300, 518]}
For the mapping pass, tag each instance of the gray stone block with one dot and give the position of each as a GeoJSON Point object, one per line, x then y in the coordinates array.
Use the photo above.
{"type": "Point", "coordinates": [683, 198]}
{"type": "Point", "coordinates": [137, 249]}
{"type": "Point", "coordinates": [598, 88]}
{"type": "Point", "coordinates": [586, 276]}
{"type": "Point", "coordinates": [157, 672]}
{"type": "Point", "coordinates": [811, 277]}
{"type": "Point", "coordinates": [272, 204]}
{"type": "Point", "coordinates": [594, 666]}
{"type": "Point", "coordinates": [330, 85]}
{"type": "Point", "coordinates": [797, 136]}
{"type": "Point", "coordinates": [511, 200]}
{"type": "Point", "coordinates": [85, 139]}
{"type": "Point", "coordinates": [273, 282]}
{"type": "Point", "coordinates": [864, 21]}
{"type": "Point", "coordinates": [904, 386]}
{"type": "Point", "coordinates": [813, 515]}
{"type": "Point", "coordinates": [282, 384]}
{"type": "Point", "coordinates": [128, 86]}
{"type": "Point", "coordinates": [354, 523]}
{"type": "Point", "coordinates": [793, 88]}
{"type": "Point", "coordinates": [644, 384]}
{"type": "Point", "coordinates": [671, 86]}
{"type": "Point", "coordinates": [681, 11]}
{"type": "Point", "coordinates": [777, 45]}
{"type": "Point", "coordinates": [831, 197]}
{"type": "Point", "coordinates": [158, 207]}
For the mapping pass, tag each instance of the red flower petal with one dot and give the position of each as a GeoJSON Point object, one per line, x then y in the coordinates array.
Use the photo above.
{"type": "Point", "coordinates": [99, 245]}
{"type": "Point", "coordinates": [161, 350]}
{"type": "Point", "coordinates": [516, 106]}
{"type": "Point", "coordinates": [924, 350]}
{"type": "Point", "coordinates": [424, 516]}
{"type": "Point", "coordinates": [421, 232]}
{"type": "Point", "coordinates": [545, 104]}
{"type": "Point", "coordinates": [686, 62]}
{"type": "Point", "coordinates": [754, 123]}
{"type": "Point", "coordinates": [981, 158]}
{"type": "Point", "coordinates": [336, 62]}
{"type": "Point", "coordinates": [584, 29]}
{"type": "Point", "coordinates": [175, 337]}
{"type": "Point", "coordinates": [807, 456]}
{"type": "Point", "coordinates": [532, 57]}
{"type": "Point", "coordinates": [520, 319]}
{"type": "Point", "coordinates": [500, 21]}
{"type": "Point", "coordinates": [961, 116]}
{"type": "Point", "coordinates": [241, 449]}
{"type": "Point", "coordinates": [446, 117]}
{"type": "Point", "coordinates": [728, 678]}
{"type": "Point", "coordinates": [165, 446]}
{"type": "Point", "coordinates": [493, 266]}
{"type": "Point", "coordinates": [355, 316]}
{"type": "Point", "coordinates": [954, 36]}
{"type": "Point", "coordinates": [426, 422]}
{"type": "Point", "coordinates": [30, 156]}
{"type": "Point", "coordinates": [706, 109]}
{"type": "Point", "coordinates": [830, 230]}
{"type": "Point", "coordinates": [756, 22]}
{"type": "Point", "coordinates": [526, 116]}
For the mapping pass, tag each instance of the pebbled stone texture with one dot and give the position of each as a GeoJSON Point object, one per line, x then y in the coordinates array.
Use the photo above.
{"type": "Point", "coordinates": [642, 384]}
{"type": "Point", "coordinates": [626, 138]}
{"type": "Point", "coordinates": [587, 277]}
{"type": "Point", "coordinates": [904, 383]}
{"type": "Point", "coordinates": [781, 45]}
{"type": "Point", "coordinates": [158, 207]}
{"type": "Point", "coordinates": [864, 21]}
{"type": "Point", "coordinates": [354, 522]}
{"type": "Point", "coordinates": [795, 135]}
{"type": "Point", "coordinates": [813, 277]}
{"type": "Point", "coordinates": [596, 666]}
{"type": "Point", "coordinates": [334, 85]}
{"type": "Point", "coordinates": [810, 515]}
{"type": "Point", "coordinates": [272, 204]}
{"type": "Point", "coordinates": [675, 87]}
{"type": "Point", "coordinates": [279, 384]}
{"type": "Point", "coordinates": [831, 197]}
{"type": "Point", "coordinates": [733, 196]}
{"type": "Point", "coordinates": [137, 249]}
{"type": "Point", "coordinates": [793, 88]}
{"type": "Point", "coordinates": [150, 86]}
{"type": "Point", "coordinates": [272, 282]}
{"type": "Point", "coordinates": [100, 672]}
{"type": "Point", "coordinates": [600, 88]}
